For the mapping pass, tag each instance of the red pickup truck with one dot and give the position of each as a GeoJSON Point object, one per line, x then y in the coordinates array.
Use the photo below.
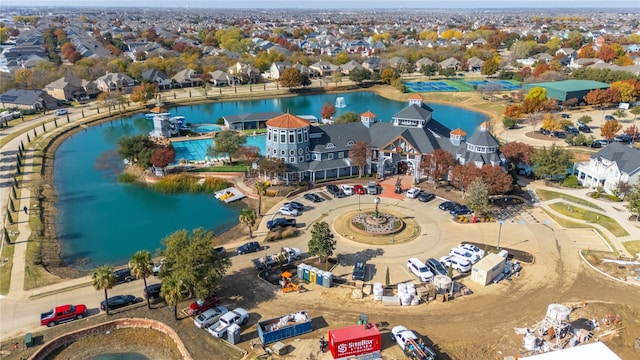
{"type": "Point", "coordinates": [62, 314]}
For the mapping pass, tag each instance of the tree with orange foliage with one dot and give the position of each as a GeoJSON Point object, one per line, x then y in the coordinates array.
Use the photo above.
{"type": "Point", "coordinates": [595, 97]}
{"type": "Point", "coordinates": [327, 111]}
{"type": "Point", "coordinates": [513, 111]}
{"type": "Point", "coordinates": [606, 53]}
{"type": "Point", "coordinates": [463, 175]}
{"type": "Point", "coordinates": [587, 52]}
{"type": "Point", "coordinates": [163, 156]}
{"type": "Point", "coordinates": [436, 165]}
{"type": "Point", "coordinates": [610, 128]}
{"type": "Point", "coordinates": [498, 181]}
{"type": "Point", "coordinates": [517, 152]}
{"type": "Point", "coordinates": [540, 69]}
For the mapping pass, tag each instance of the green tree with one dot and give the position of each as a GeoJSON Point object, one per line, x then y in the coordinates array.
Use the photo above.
{"type": "Point", "coordinates": [261, 190]}
{"type": "Point", "coordinates": [551, 162]}
{"type": "Point", "coordinates": [387, 75]}
{"type": "Point", "coordinates": [585, 119]}
{"type": "Point", "coordinates": [509, 122]}
{"type": "Point", "coordinates": [620, 114]}
{"type": "Point", "coordinates": [387, 278]}
{"type": "Point", "coordinates": [347, 117]}
{"type": "Point", "coordinates": [447, 72]}
{"type": "Point", "coordinates": [633, 197]}
{"type": "Point", "coordinates": [248, 218]}
{"type": "Point", "coordinates": [137, 149]}
{"type": "Point", "coordinates": [360, 75]}
{"type": "Point", "coordinates": [226, 142]}
{"type": "Point", "coordinates": [322, 243]}
{"type": "Point", "coordinates": [142, 268]}
{"type": "Point", "coordinates": [635, 111]}
{"type": "Point", "coordinates": [491, 66]}
{"type": "Point", "coordinates": [477, 197]}
{"type": "Point", "coordinates": [171, 291]}
{"type": "Point", "coordinates": [104, 279]}
{"type": "Point", "coordinates": [191, 258]}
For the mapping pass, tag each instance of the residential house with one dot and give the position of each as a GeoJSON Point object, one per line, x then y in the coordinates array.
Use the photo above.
{"type": "Point", "coordinates": [397, 62]}
{"type": "Point", "coordinates": [27, 99]}
{"type": "Point", "coordinates": [582, 62]}
{"type": "Point", "coordinates": [276, 69]}
{"type": "Point", "coordinates": [158, 77]}
{"type": "Point", "coordinates": [221, 78]}
{"type": "Point", "coordinates": [543, 57]}
{"type": "Point", "coordinates": [424, 62]}
{"type": "Point", "coordinates": [450, 63]}
{"type": "Point", "coordinates": [350, 67]}
{"type": "Point", "coordinates": [72, 88]}
{"type": "Point", "coordinates": [325, 68]}
{"type": "Point", "coordinates": [305, 70]}
{"type": "Point", "coordinates": [187, 78]}
{"type": "Point", "coordinates": [475, 64]}
{"type": "Point", "coordinates": [567, 52]}
{"type": "Point", "coordinates": [247, 74]}
{"type": "Point", "coordinates": [115, 82]}
{"type": "Point", "coordinates": [614, 164]}
{"type": "Point", "coordinates": [373, 64]}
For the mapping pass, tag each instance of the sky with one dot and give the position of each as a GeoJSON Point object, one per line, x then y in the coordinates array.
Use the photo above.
{"type": "Point", "coordinates": [334, 4]}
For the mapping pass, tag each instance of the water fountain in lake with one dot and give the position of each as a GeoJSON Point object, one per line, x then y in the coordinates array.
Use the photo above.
{"type": "Point", "coordinates": [340, 102]}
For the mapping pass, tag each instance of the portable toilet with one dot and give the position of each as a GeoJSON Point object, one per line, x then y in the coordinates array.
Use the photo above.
{"type": "Point", "coordinates": [233, 334]}
{"type": "Point", "coordinates": [319, 276]}
{"type": "Point", "coordinates": [312, 275]}
{"type": "Point", "coordinates": [327, 279]}
{"type": "Point", "coordinates": [301, 271]}
{"type": "Point", "coordinates": [307, 269]}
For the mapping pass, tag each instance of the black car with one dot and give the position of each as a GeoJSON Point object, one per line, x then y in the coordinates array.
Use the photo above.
{"type": "Point", "coordinates": [118, 301]}
{"type": "Point", "coordinates": [609, 117]}
{"type": "Point", "coordinates": [622, 138]}
{"type": "Point", "coordinates": [249, 247]}
{"type": "Point", "coordinates": [560, 134]}
{"type": "Point", "coordinates": [294, 204]}
{"type": "Point", "coordinates": [565, 116]}
{"type": "Point", "coordinates": [358, 271]}
{"type": "Point", "coordinates": [123, 275]}
{"type": "Point", "coordinates": [436, 267]}
{"type": "Point", "coordinates": [313, 197]}
{"type": "Point", "coordinates": [544, 131]}
{"type": "Point", "coordinates": [425, 196]}
{"type": "Point", "coordinates": [585, 129]}
{"type": "Point", "coordinates": [282, 222]}
{"type": "Point", "coordinates": [448, 205]}
{"type": "Point", "coordinates": [152, 291]}
{"type": "Point", "coordinates": [572, 130]}
{"type": "Point", "coordinates": [460, 210]}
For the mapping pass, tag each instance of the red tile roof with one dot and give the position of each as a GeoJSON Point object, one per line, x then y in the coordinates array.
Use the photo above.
{"type": "Point", "coordinates": [288, 121]}
{"type": "Point", "coordinates": [368, 114]}
{"type": "Point", "coordinates": [458, 131]}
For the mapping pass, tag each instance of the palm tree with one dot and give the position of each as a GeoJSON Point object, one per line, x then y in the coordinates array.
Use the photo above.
{"type": "Point", "coordinates": [171, 290]}
{"type": "Point", "coordinates": [620, 114]}
{"type": "Point", "coordinates": [248, 217]}
{"type": "Point", "coordinates": [141, 267]}
{"type": "Point", "coordinates": [261, 189]}
{"type": "Point", "coordinates": [103, 279]}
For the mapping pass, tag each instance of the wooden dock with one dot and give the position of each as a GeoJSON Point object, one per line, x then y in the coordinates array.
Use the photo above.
{"type": "Point", "coordinates": [229, 195]}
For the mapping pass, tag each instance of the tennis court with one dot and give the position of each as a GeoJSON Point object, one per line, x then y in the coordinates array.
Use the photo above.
{"type": "Point", "coordinates": [501, 85]}
{"type": "Point", "coordinates": [431, 86]}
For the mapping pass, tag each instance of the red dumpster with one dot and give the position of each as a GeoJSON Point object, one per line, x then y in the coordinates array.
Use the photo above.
{"type": "Point", "coordinates": [354, 340]}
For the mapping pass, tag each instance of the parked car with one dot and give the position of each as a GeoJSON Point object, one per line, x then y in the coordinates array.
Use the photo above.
{"type": "Point", "coordinates": [448, 205]}
{"type": "Point", "coordinates": [152, 291]}
{"type": "Point", "coordinates": [595, 145]}
{"type": "Point", "coordinates": [280, 222]}
{"type": "Point", "coordinates": [237, 316]}
{"type": "Point", "coordinates": [201, 305]}
{"type": "Point", "coordinates": [601, 142]}
{"type": "Point", "coordinates": [61, 112]}
{"type": "Point", "coordinates": [544, 131]}
{"type": "Point", "coordinates": [359, 271]}
{"type": "Point", "coordinates": [473, 249]}
{"type": "Point", "coordinates": [313, 197]}
{"type": "Point", "coordinates": [425, 196]}
{"type": "Point", "coordinates": [249, 247]}
{"type": "Point", "coordinates": [560, 134]}
{"type": "Point", "coordinates": [156, 267]}
{"type": "Point", "coordinates": [419, 269]}
{"type": "Point", "coordinates": [209, 317]}
{"type": "Point", "coordinates": [565, 116]}
{"type": "Point", "coordinates": [220, 250]}
{"type": "Point", "coordinates": [413, 193]}
{"type": "Point", "coordinates": [359, 190]}
{"type": "Point", "coordinates": [436, 266]}
{"type": "Point", "coordinates": [62, 314]}
{"type": "Point", "coordinates": [292, 253]}
{"type": "Point", "coordinates": [622, 138]}
{"type": "Point", "coordinates": [335, 191]}
{"type": "Point", "coordinates": [118, 301]}
{"type": "Point", "coordinates": [294, 204]}
{"type": "Point", "coordinates": [460, 210]}
{"type": "Point", "coordinates": [456, 263]}
{"type": "Point", "coordinates": [347, 189]}
{"type": "Point", "coordinates": [372, 188]}
{"type": "Point", "coordinates": [462, 253]}
{"type": "Point", "coordinates": [288, 211]}
{"type": "Point", "coordinates": [123, 275]}
{"type": "Point", "coordinates": [571, 130]}
{"type": "Point", "coordinates": [584, 129]}
{"type": "Point", "coordinates": [609, 117]}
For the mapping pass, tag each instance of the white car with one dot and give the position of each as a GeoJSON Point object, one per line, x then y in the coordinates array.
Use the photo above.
{"type": "Point", "coordinates": [472, 249]}
{"type": "Point", "coordinates": [347, 189]}
{"type": "Point", "coordinates": [413, 193]}
{"type": "Point", "coordinates": [459, 264]}
{"type": "Point", "coordinates": [61, 112]}
{"type": "Point", "coordinates": [419, 269]}
{"type": "Point", "coordinates": [209, 317]}
{"type": "Point", "coordinates": [465, 254]}
{"type": "Point", "coordinates": [288, 211]}
{"type": "Point", "coordinates": [156, 267]}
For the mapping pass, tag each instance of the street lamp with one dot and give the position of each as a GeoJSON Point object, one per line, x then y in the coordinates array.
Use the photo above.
{"type": "Point", "coordinates": [500, 232]}
{"type": "Point", "coordinates": [359, 202]}
{"type": "Point", "coordinates": [376, 200]}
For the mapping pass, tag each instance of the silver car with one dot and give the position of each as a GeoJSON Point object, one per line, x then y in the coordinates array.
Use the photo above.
{"type": "Point", "coordinates": [209, 317]}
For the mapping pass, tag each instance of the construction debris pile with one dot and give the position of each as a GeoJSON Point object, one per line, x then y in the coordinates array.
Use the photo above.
{"type": "Point", "coordinates": [409, 293]}
{"type": "Point", "coordinates": [557, 331]}
{"type": "Point", "coordinates": [511, 268]}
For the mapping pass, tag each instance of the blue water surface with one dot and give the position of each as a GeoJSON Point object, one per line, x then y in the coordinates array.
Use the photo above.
{"type": "Point", "coordinates": [101, 221]}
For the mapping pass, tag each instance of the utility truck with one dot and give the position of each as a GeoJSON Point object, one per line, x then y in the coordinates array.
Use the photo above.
{"type": "Point", "coordinates": [411, 345]}
{"type": "Point", "coordinates": [237, 316]}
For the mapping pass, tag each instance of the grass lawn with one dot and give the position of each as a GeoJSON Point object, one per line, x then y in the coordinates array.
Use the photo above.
{"type": "Point", "coordinates": [633, 247]}
{"type": "Point", "coordinates": [5, 268]}
{"type": "Point", "coordinates": [589, 216]}
{"type": "Point", "coordinates": [574, 225]}
{"type": "Point", "coordinates": [549, 195]}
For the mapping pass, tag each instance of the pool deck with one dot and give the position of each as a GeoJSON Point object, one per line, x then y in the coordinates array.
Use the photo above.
{"type": "Point", "coordinates": [237, 195]}
{"type": "Point", "coordinates": [187, 138]}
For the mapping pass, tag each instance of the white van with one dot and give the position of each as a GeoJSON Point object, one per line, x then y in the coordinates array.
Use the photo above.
{"type": "Point", "coordinates": [419, 269]}
{"type": "Point", "coordinates": [413, 193]}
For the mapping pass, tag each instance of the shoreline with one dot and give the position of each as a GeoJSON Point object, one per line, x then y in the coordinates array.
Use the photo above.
{"type": "Point", "coordinates": [58, 268]}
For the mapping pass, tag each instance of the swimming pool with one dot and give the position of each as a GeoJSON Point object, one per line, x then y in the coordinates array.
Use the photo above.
{"type": "Point", "coordinates": [205, 128]}
{"type": "Point", "coordinates": [196, 149]}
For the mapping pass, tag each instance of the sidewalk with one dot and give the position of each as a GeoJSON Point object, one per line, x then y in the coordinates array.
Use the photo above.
{"type": "Point", "coordinates": [609, 209]}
